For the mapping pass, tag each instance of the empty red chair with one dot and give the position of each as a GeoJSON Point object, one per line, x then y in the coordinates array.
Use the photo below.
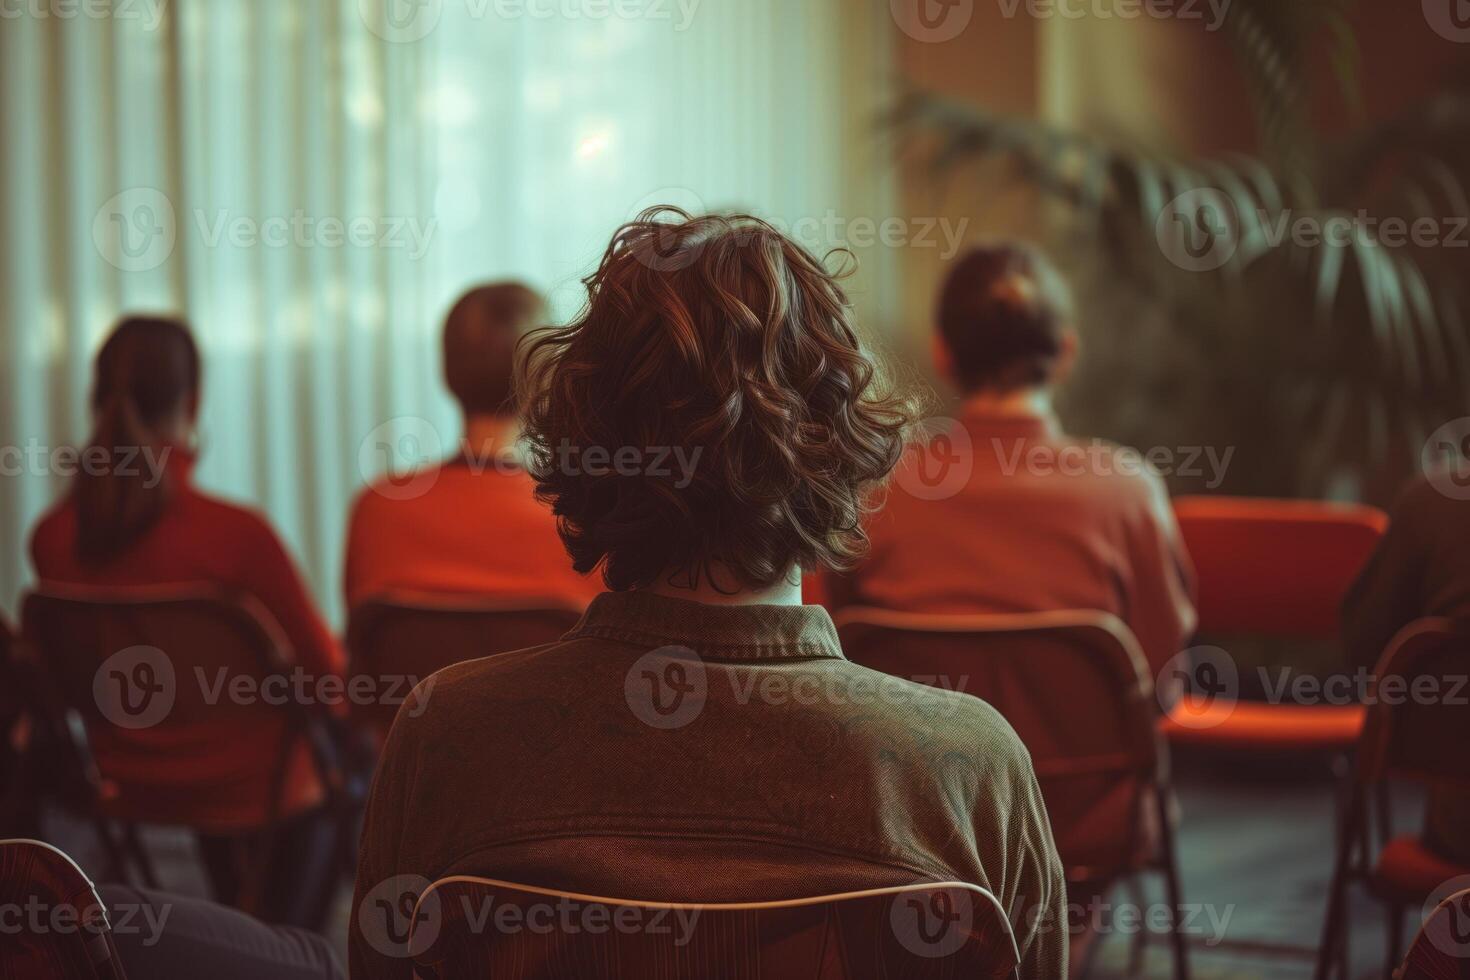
{"type": "Point", "coordinates": [62, 932]}
{"type": "Point", "coordinates": [1075, 687]}
{"type": "Point", "coordinates": [921, 931]}
{"type": "Point", "coordinates": [409, 635]}
{"type": "Point", "coordinates": [1277, 568]}
{"type": "Point", "coordinates": [1422, 738]}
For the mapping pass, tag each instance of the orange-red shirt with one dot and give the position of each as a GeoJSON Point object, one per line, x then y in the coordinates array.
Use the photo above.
{"type": "Point", "coordinates": [202, 539]}
{"type": "Point", "coordinates": [474, 529]}
{"type": "Point", "coordinates": [1007, 515]}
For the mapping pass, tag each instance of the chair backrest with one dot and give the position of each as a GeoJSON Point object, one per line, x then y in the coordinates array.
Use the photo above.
{"type": "Point", "coordinates": [466, 927]}
{"type": "Point", "coordinates": [1441, 950]}
{"type": "Point", "coordinates": [412, 635]}
{"type": "Point", "coordinates": [1275, 567]}
{"type": "Point", "coordinates": [153, 666]}
{"type": "Point", "coordinates": [62, 930]}
{"type": "Point", "coordinates": [1418, 723]}
{"type": "Point", "coordinates": [1073, 684]}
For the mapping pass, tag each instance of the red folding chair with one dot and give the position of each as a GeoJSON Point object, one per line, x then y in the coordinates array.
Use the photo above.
{"type": "Point", "coordinates": [921, 931]}
{"type": "Point", "coordinates": [67, 935]}
{"type": "Point", "coordinates": [413, 634]}
{"type": "Point", "coordinates": [1441, 950]}
{"type": "Point", "coordinates": [163, 710]}
{"type": "Point", "coordinates": [1424, 739]}
{"type": "Point", "coordinates": [1277, 568]}
{"type": "Point", "coordinates": [1075, 687]}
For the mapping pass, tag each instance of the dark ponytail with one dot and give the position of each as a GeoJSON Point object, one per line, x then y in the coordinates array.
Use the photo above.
{"type": "Point", "coordinates": [144, 373]}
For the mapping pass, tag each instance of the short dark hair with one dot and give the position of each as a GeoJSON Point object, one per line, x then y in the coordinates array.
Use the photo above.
{"type": "Point", "coordinates": [480, 336]}
{"type": "Point", "coordinates": [715, 333]}
{"type": "Point", "coordinates": [1002, 313]}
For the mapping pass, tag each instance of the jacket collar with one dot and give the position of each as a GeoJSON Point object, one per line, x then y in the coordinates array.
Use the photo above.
{"type": "Point", "coordinates": [759, 632]}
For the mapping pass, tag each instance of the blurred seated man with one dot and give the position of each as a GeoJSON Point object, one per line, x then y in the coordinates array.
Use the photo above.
{"type": "Point", "coordinates": [1006, 513]}
{"type": "Point", "coordinates": [700, 736]}
{"type": "Point", "coordinates": [1420, 568]}
{"type": "Point", "coordinates": [137, 519]}
{"type": "Point", "coordinates": [471, 524]}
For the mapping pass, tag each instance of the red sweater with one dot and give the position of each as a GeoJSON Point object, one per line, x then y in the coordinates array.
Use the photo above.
{"type": "Point", "coordinates": [1027, 520]}
{"type": "Point", "coordinates": [461, 530]}
{"type": "Point", "coordinates": [200, 539]}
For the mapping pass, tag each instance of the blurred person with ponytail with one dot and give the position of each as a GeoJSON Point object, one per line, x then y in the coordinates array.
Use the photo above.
{"type": "Point", "coordinates": [133, 517]}
{"type": "Point", "coordinates": [1005, 512]}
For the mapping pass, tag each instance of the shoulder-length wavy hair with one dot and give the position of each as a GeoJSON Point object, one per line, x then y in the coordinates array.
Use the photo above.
{"type": "Point", "coordinates": [716, 340]}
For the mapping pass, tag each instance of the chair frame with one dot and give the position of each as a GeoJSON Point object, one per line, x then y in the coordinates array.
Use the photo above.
{"type": "Point", "coordinates": [120, 839]}
{"type": "Point", "coordinates": [1368, 800]}
{"type": "Point", "coordinates": [103, 954]}
{"type": "Point", "coordinates": [1150, 762]}
{"type": "Point", "coordinates": [986, 899]}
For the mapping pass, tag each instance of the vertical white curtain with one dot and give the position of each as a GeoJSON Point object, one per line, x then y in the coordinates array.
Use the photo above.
{"type": "Point", "coordinates": [311, 182]}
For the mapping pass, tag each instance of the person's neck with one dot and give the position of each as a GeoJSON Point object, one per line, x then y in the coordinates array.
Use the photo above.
{"type": "Point", "coordinates": [1017, 403]}
{"type": "Point", "coordinates": [787, 592]}
{"type": "Point", "coordinates": [489, 436]}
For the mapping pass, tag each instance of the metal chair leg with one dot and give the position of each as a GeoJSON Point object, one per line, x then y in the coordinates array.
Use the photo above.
{"type": "Point", "coordinates": [1139, 945]}
{"type": "Point", "coordinates": [1395, 940]}
{"type": "Point", "coordinates": [1173, 889]}
{"type": "Point", "coordinates": [1334, 949]}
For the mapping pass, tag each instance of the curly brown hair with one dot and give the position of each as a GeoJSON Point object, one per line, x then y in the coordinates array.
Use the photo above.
{"type": "Point", "coordinates": [720, 336]}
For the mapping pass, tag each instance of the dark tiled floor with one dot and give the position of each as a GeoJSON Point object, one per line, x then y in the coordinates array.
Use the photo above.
{"type": "Point", "coordinates": [1256, 861]}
